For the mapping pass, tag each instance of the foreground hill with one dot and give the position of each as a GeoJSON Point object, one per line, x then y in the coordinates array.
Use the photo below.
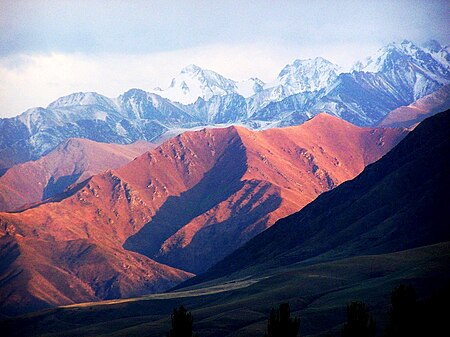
{"type": "Point", "coordinates": [397, 203]}
{"type": "Point", "coordinates": [187, 204]}
{"type": "Point", "coordinates": [71, 162]}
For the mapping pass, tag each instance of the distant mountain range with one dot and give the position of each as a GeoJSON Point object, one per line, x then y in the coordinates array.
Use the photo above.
{"type": "Point", "coordinates": [398, 75]}
{"type": "Point", "coordinates": [176, 209]}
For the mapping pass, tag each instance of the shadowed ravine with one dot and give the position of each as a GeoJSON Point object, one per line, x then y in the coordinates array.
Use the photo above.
{"type": "Point", "coordinates": [55, 187]}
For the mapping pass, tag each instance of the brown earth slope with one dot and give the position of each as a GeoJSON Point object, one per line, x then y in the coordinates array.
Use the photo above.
{"type": "Point", "coordinates": [187, 203]}
{"type": "Point", "coordinates": [71, 162]}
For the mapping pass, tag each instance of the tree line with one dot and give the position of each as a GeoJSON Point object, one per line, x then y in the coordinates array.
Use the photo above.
{"type": "Point", "coordinates": [404, 319]}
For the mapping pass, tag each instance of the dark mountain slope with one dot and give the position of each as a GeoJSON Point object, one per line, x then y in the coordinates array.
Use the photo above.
{"type": "Point", "coordinates": [397, 203]}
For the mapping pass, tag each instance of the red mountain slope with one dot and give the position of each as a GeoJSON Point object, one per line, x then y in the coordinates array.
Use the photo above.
{"type": "Point", "coordinates": [71, 162]}
{"type": "Point", "coordinates": [411, 115]}
{"type": "Point", "coordinates": [278, 173]}
{"type": "Point", "coordinates": [192, 200]}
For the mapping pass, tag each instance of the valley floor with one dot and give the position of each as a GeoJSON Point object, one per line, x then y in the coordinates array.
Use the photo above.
{"type": "Point", "coordinates": [318, 293]}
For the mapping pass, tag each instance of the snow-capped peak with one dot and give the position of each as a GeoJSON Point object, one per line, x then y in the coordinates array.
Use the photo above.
{"type": "Point", "coordinates": [191, 69]}
{"type": "Point", "coordinates": [393, 52]}
{"type": "Point", "coordinates": [308, 75]}
{"type": "Point", "coordinates": [438, 52]}
{"type": "Point", "coordinates": [193, 82]}
{"type": "Point", "coordinates": [377, 62]}
{"type": "Point", "coordinates": [134, 97]}
{"type": "Point", "coordinates": [405, 52]}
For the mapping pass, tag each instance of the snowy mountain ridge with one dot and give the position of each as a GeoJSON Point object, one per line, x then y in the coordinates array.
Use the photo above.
{"type": "Point", "coordinates": [194, 82]}
{"type": "Point", "coordinates": [397, 75]}
{"type": "Point", "coordinates": [432, 59]}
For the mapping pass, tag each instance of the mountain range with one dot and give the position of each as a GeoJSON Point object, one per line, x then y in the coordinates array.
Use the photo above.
{"type": "Point", "coordinates": [214, 185]}
{"type": "Point", "coordinates": [175, 210]}
{"type": "Point", "coordinates": [398, 75]}
{"type": "Point", "coordinates": [358, 241]}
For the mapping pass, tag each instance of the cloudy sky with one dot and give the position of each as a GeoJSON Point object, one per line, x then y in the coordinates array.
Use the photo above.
{"type": "Point", "coordinates": [52, 48]}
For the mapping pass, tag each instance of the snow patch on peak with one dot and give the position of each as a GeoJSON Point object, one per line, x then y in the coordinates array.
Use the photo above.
{"type": "Point", "coordinates": [407, 44]}
{"type": "Point", "coordinates": [249, 87]}
{"type": "Point", "coordinates": [81, 98]}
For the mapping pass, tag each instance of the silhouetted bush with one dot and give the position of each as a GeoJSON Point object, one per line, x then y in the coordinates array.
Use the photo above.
{"type": "Point", "coordinates": [403, 313]}
{"type": "Point", "coordinates": [281, 324]}
{"type": "Point", "coordinates": [359, 322]}
{"type": "Point", "coordinates": [181, 323]}
{"type": "Point", "coordinates": [433, 314]}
